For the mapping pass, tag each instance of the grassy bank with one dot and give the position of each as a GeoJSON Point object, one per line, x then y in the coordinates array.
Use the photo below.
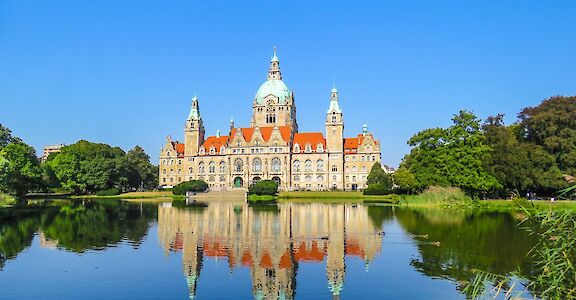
{"type": "Point", "coordinates": [334, 197]}
{"type": "Point", "coordinates": [132, 195]}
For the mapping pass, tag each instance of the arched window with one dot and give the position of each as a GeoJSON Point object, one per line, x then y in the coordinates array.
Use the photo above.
{"type": "Point", "coordinates": [276, 164]}
{"type": "Point", "coordinates": [320, 166]}
{"type": "Point", "coordinates": [308, 165]}
{"type": "Point", "coordinates": [171, 179]}
{"type": "Point", "coordinates": [201, 167]}
{"type": "Point", "coordinates": [334, 178]}
{"type": "Point", "coordinates": [212, 167]}
{"type": "Point", "coordinates": [190, 170]}
{"type": "Point", "coordinates": [171, 171]}
{"type": "Point", "coordinates": [368, 149]}
{"type": "Point", "coordinates": [308, 148]}
{"type": "Point", "coordinates": [354, 169]}
{"type": "Point", "coordinates": [164, 162]}
{"type": "Point", "coordinates": [164, 171]}
{"type": "Point", "coordinates": [164, 179]}
{"type": "Point", "coordinates": [238, 165]}
{"type": "Point", "coordinates": [320, 178]}
{"type": "Point", "coordinates": [334, 168]}
{"type": "Point", "coordinates": [221, 178]}
{"type": "Point", "coordinates": [333, 118]}
{"type": "Point", "coordinates": [363, 158]}
{"type": "Point", "coordinates": [296, 178]}
{"type": "Point", "coordinates": [353, 178]}
{"type": "Point", "coordinates": [222, 167]}
{"type": "Point", "coordinates": [296, 166]}
{"type": "Point", "coordinates": [308, 178]}
{"type": "Point", "coordinates": [256, 165]}
{"type": "Point", "coordinates": [319, 148]}
{"type": "Point", "coordinates": [168, 153]}
{"type": "Point", "coordinates": [211, 178]}
{"type": "Point", "coordinates": [179, 171]}
{"type": "Point", "coordinates": [363, 168]}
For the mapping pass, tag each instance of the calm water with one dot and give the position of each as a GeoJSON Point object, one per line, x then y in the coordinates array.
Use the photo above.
{"type": "Point", "coordinates": [119, 250]}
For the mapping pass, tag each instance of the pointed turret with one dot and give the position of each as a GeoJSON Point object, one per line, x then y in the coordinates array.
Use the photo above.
{"type": "Point", "coordinates": [334, 105]}
{"type": "Point", "coordinates": [194, 110]}
{"type": "Point", "coordinates": [364, 129]}
{"type": "Point", "coordinates": [274, 71]}
{"type": "Point", "coordinates": [193, 130]}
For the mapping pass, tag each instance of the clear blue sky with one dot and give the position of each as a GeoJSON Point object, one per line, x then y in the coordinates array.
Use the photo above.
{"type": "Point", "coordinates": [124, 72]}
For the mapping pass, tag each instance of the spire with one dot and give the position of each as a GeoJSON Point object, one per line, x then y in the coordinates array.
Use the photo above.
{"type": "Point", "coordinates": [274, 71]}
{"type": "Point", "coordinates": [334, 106]}
{"type": "Point", "coordinates": [334, 90]}
{"type": "Point", "coordinates": [218, 133]}
{"type": "Point", "coordinates": [194, 110]}
{"type": "Point", "coordinates": [364, 129]}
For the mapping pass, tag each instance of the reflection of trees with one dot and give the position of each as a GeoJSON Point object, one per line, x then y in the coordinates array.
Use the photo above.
{"type": "Point", "coordinates": [15, 236]}
{"type": "Point", "coordinates": [98, 224]}
{"type": "Point", "coordinates": [467, 241]}
{"type": "Point", "coordinates": [75, 226]}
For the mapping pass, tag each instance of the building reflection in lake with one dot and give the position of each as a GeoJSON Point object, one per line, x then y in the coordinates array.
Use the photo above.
{"type": "Point", "coordinates": [270, 243]}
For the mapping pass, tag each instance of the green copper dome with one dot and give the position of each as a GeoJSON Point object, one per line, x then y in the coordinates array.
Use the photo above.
{"type": "Point", "coordinates": [272, 87]}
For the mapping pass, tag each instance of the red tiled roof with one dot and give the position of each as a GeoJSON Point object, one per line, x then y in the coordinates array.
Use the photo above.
{"type": "Point", "coordinates": [265, 131]}
{"type": "Point", "coordinates": [215, 141]}
{"type": "Point", "coordinates": [312, 138]}
{"type": "Point", "coordinates": [351, 144]}
{"type": "Point", "coordinates": [179, 148]}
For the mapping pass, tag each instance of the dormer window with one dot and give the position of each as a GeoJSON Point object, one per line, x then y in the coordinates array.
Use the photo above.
{"type": "Point", "coordinates": [212, 150]}
{"type": "Point", "coordinates": [222, 150]}
{"type": "Point", "coordinates": [319, 148]}
{"type": "Point", "coordinates": [308, 148]}
{"type": "Point", "coordinates": [368, 149]}
{"type": "Point", "coordinates": [202, 150]}
{"type": "Point", "coordinates": [296, 148]}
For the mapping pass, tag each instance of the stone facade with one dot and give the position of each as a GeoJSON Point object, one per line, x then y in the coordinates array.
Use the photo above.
{"type": "Point", "coordinates": [271, 148]}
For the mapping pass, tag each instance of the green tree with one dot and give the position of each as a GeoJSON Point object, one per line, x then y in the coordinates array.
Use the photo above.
{"type": "Point", "coordinates": [451, 156]}
{"type": "Point", "coordinates": [86, 167]}
{"type": "Point", "coordinates": [142, 172]}
{"type": "Point", "coordinates": [518, 164]}
{"type": "Point", "coordinates": [6, 137]}
{"type": "Point", "coordinates": [192, 185]}
{"type": "Point", "coordinates": [20, 169]}
{"type": "Point", "coordinates": [552, 125]}
{"type": "Point", "coordinates": [405, 180]}
{"type": "Point", "coordinates": [377, 175]}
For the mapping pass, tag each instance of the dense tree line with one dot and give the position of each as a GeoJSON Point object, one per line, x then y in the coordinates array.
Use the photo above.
{"type": "Point", "coordinates": [81, 168]}
{"type": "Point", "coordinates": [536, 154]}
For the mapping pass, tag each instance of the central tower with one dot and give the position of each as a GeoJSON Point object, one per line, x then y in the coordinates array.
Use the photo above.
{"type": "Point", "coordinates": [274, 103]}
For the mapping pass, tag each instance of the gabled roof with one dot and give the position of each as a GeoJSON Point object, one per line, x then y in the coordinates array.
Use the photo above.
{"type": "Point", "coordinates": [265, 131]}
{"type": "Point", "coordinates": [179, 148]}
{"type": "Point", "coordinates": [215, 141]}
{"type": "Point", "coordinates": [312, 138]}
{"type": "Point", "coordinates": [351, 144]}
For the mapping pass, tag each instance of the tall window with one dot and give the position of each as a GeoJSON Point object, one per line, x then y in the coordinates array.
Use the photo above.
{"type": "Point", "coordinates": [296, 166]}
{"type": "Point", "coordinates": [308, 165]}
{"type": "Point", "coordinates": [276, 164]}
{"type": "Point", "coordinates": [320, 165]}
{"type": "Point", "coordinates": [212, 167]}
{"type": "Point", "coordinates": [334, 168]}
{"type": "Point", "coordinates": [257, 165]}
{"type": "Point", "coordinates": [238, 165]}
{"type": "Point", "coordinates": [201, 167]}
{"type": "Point", "coordinates": [222, 167]}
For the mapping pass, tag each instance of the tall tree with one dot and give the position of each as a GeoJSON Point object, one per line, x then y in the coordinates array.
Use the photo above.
{"type": "Point", "coordinates": [142, 172]}
{"type": "Point", "coordinates": [552, 125]}
{"type": "Point", "coordinates": [88, 167]}
{"type": "Point", "coordinates": [6, 137]}
{"type": "Point", "coordinates": [378, 176]}
{"type": "Point", "coordinates": [20, 169]}
{"type": "Point", "coordinates": [451, 156]}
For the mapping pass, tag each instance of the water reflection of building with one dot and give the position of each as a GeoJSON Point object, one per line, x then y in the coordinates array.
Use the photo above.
{"type": "Point", "coordinates": [271, 244]}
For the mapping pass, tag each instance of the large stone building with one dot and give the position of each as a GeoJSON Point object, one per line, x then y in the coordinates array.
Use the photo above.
{"type": "Point", "coordinates": [271, 148]}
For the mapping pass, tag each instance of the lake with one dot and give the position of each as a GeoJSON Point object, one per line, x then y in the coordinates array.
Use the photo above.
{"type": "Point", "coordinates": [221, 250]}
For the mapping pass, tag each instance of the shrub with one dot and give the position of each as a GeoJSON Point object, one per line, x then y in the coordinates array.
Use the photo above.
{"type": "Point", "coordinates": [377, 189]}
{"type": "Point", "coordinates": [108, 192]}
{"type": "Point", "coordinates": [264, 187]}
{"type": "Point", "coordinates": [261, 198]}
{"type": "Point", "coordinates": [192, 185]}
{"type": "Point", "coordinates": [6, 200]}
